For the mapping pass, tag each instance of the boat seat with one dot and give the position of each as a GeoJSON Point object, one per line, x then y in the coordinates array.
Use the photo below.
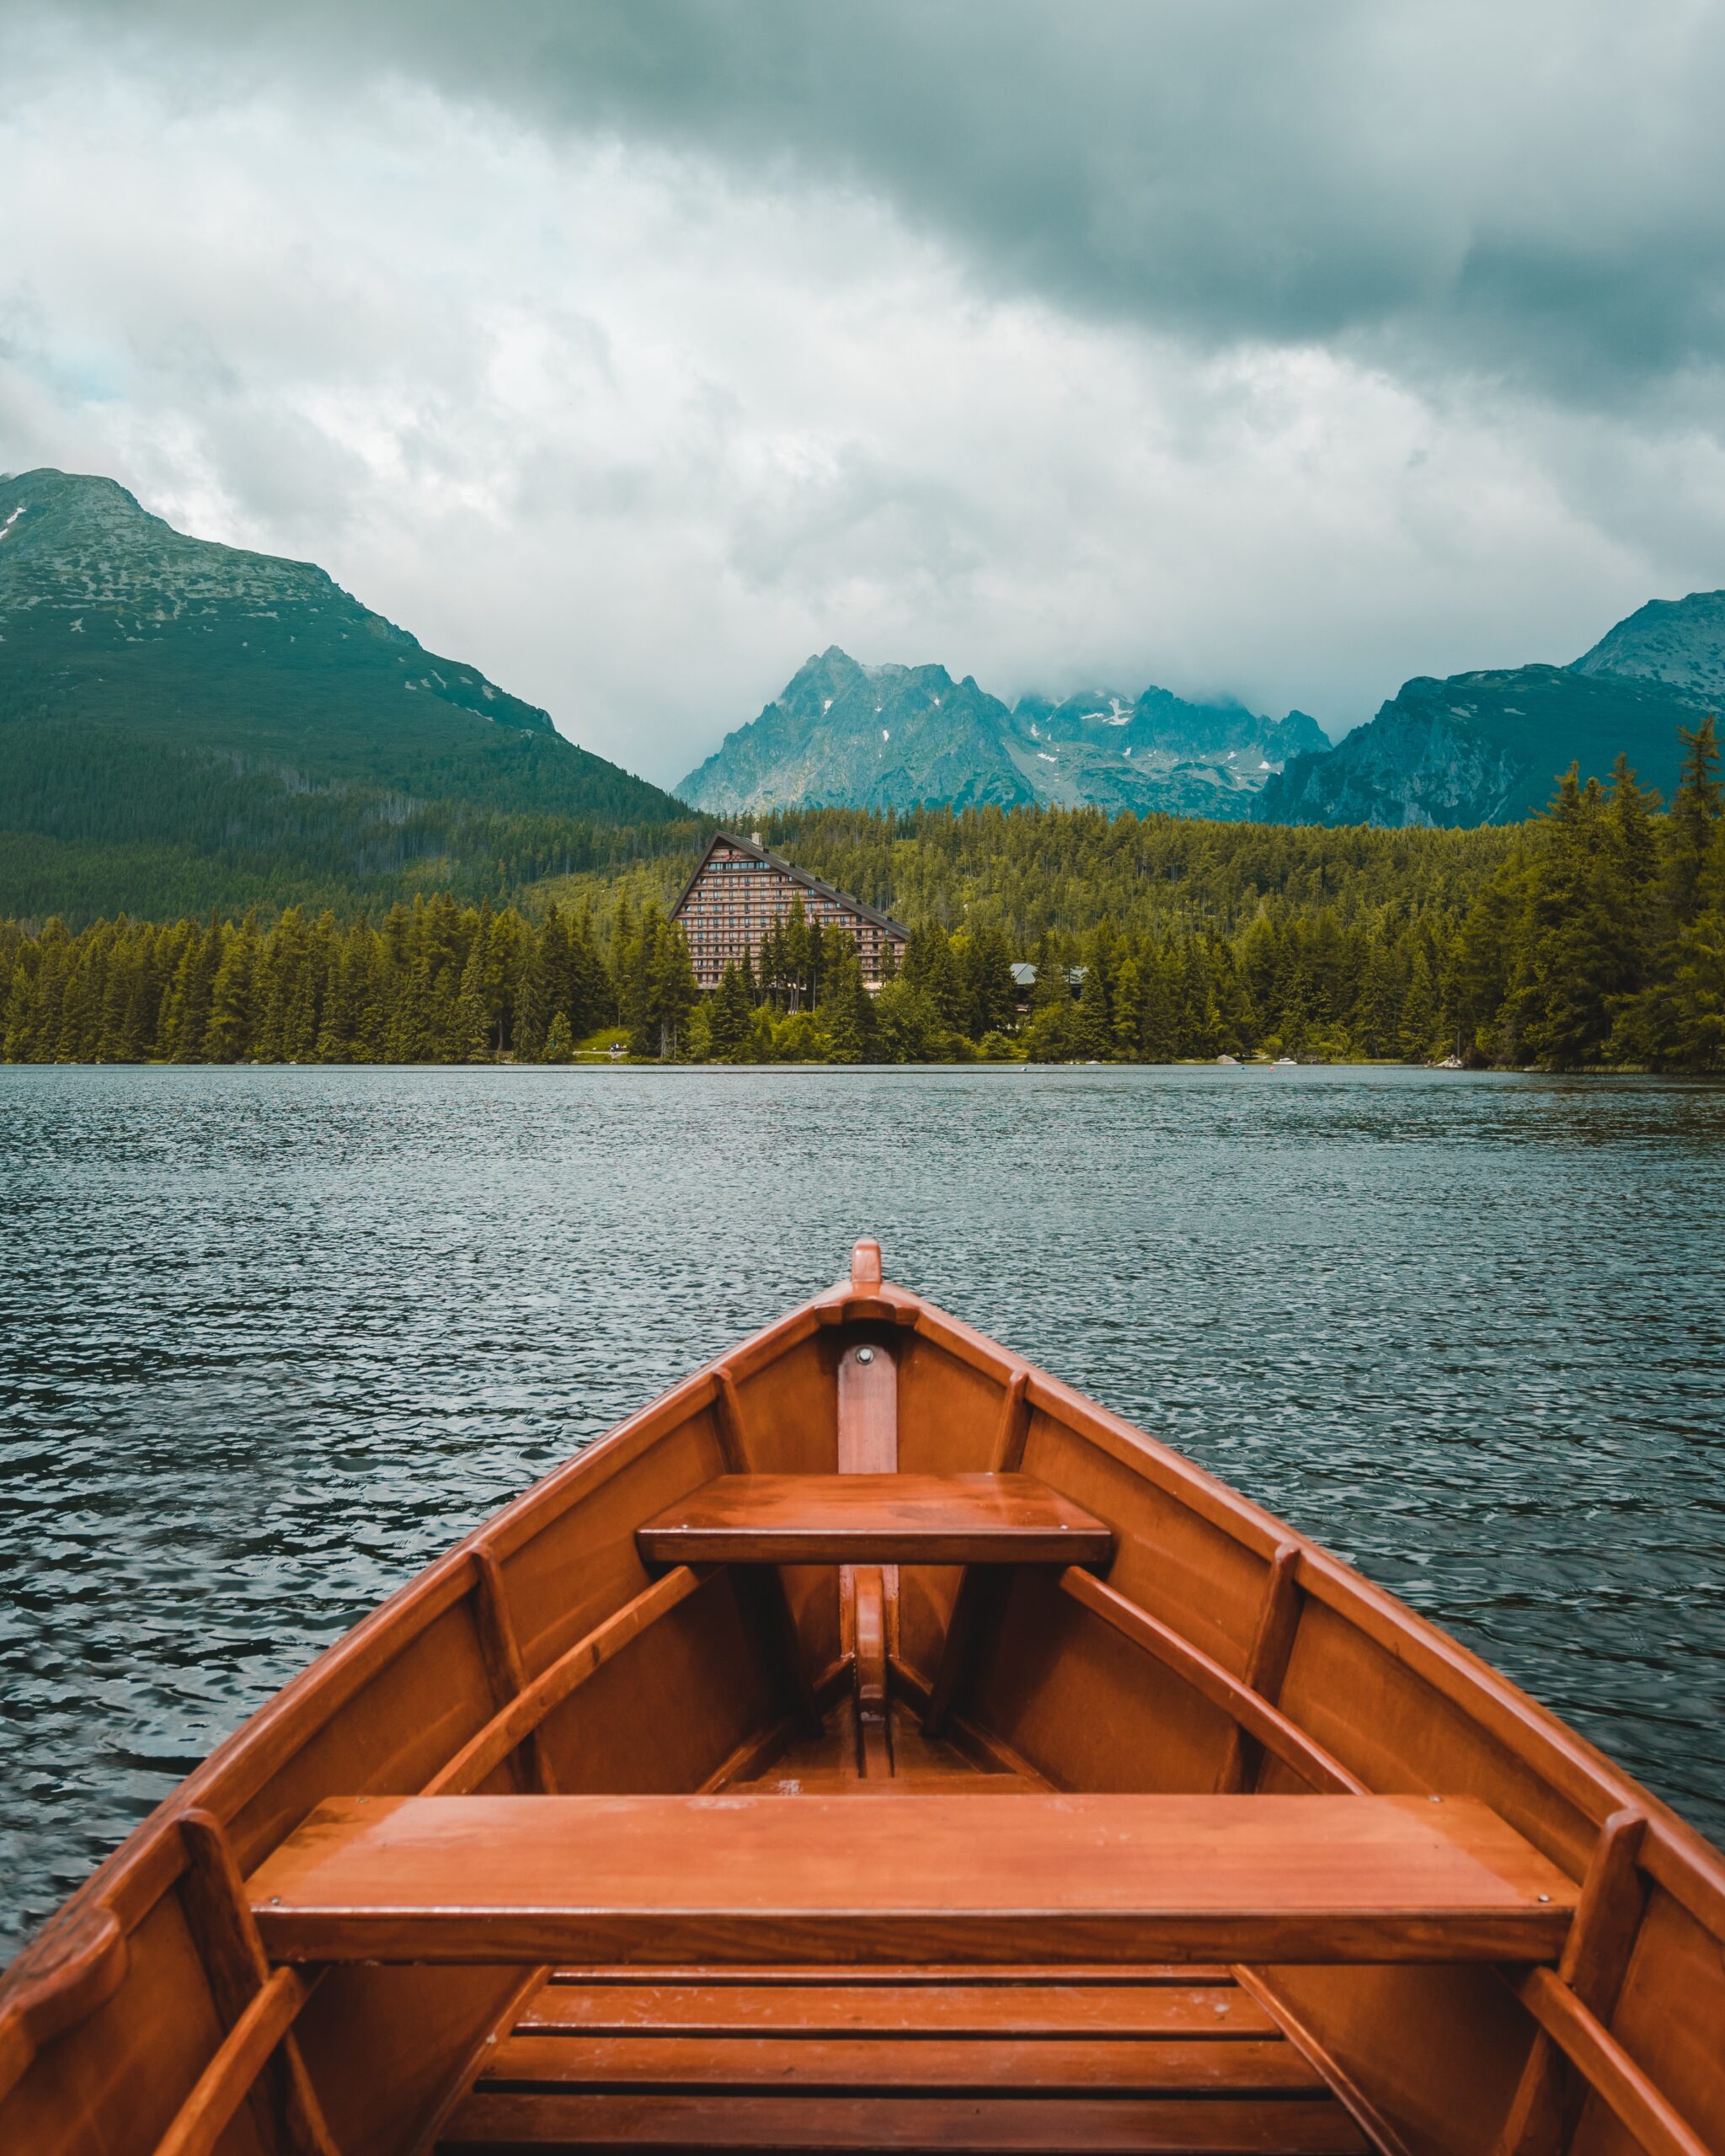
{"type": "Point", "coordinates": [875, 1519]}
{"type": "Point", "coordinates": [760, 1880]}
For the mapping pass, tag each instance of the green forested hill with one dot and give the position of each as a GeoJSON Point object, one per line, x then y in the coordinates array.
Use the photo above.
{"type": "Point", "coordinates": [1033, 869]}
{"type": "Point", "coordinates": [1593, 936]}
{"type": "Point", "coordinates": [187, 724]}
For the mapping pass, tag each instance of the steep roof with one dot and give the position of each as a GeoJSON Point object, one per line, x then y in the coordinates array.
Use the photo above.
{"type": "Point", "coordinates": [797, 876]}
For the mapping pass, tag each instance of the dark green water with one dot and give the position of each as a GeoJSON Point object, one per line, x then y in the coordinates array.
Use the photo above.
{"type": "Point", "coordinates": [270, 1339]}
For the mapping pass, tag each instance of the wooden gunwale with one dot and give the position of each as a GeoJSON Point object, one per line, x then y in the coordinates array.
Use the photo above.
{"type": "Point", "coordinates": [1675, 1855]}
{"type": "Point", "coordinates": [129, 1884]}
{"type": "Point", "coordinates": [39, 2003]}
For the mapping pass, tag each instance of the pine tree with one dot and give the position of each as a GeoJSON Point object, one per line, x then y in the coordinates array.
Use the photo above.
{"type": "Point", "coordinates": [545, 984]}
{"type": "Point", "coordinates": [559, 1046]}
{"type": "Point", "coordinates": [1129, 1001]}
{"type": "Point", "coordinates": [1158, 1040]}
{"type": "Point", "coordinates": [848, 1011]}
{"type": "Point", "coordinates": [186, 1010]}
{"type": "Point", "coordinates": [990, 995]}
{"type": "Point", "coordinates": [675, 990]}
{"type": "Point", "coordinates": [798, 956]}
{"type": "Point", "coordinates": [1094, 1031]}
{"type": "Point", "coordinates": [469, 1037]}
{"type": "Point", "coordinates": [1376, 1022]}
{"type": "Point", "coordinates": [1572, 969]}
{"type": "Point", "coordinates": [20, 1013]}
{"type": "Point", "coordinates": [1694, 817]}
{"type": "Point", "coordinates": [728, 1014]}
{"type": "Point", "coordinates": [1050, 984]}
{"type": "Point", "coordinates": [1197, 1029]}
{"type": "Point", "coordinates": [1233, 1023]}
{"type": "Point", "coordinates": [592, 992]}
{"type": "Point", "coordinates": [1420, 1020]}
{"type": "Point", "coordinates": [228, 1028]}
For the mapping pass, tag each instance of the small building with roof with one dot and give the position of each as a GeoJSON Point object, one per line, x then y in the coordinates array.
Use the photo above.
{"type": "Point", "coordinates": [740, 891]}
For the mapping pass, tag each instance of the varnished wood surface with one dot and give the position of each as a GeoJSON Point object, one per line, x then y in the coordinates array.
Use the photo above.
{"type": "Point", "coordinates": [832, 2066]}
{"type": "Point", "coordinates": [114, 2020]}
{"type": "Point", "coordinates": [948, 2008]}
{"type": "Point", "coordinates": [1135, 2126]}
{"type": "Point", "coordinates": [851, 2062]}
{"type": "Point", "coordinates": [760, 1878]}
{"type": "Point", "coordinates": [859, 1518]}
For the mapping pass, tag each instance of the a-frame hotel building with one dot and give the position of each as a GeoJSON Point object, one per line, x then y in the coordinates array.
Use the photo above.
{"type": "Point", "coordinates": [740, 889]}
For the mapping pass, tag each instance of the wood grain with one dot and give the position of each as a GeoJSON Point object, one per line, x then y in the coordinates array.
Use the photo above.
{"type": "Point", "coordinates": [737, 1878]}
{"type": "Point", "coordinates": [808, 1519]}
{"type": "Point", "coordinates": [840, 2065]}
{"type": "Point", "coordinates": [948, 2008]}
{"type": "Point", "coordinates": [1145, 2126]}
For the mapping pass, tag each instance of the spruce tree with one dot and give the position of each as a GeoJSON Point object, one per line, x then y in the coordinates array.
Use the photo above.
{"type": "Point", "coordinates": [1094, 1032]}
{"type": "Point", "coordinates": [675, 990]}
{"type": "Point", "coordinates": [1572, 969]}
{"type": "Point", "coordinates": [1157, 1040]}
{"type": "Point", "coordinates": [1050, 984]}
{"type": "Point", "coordinates": [1418, 1031]}
{"type": "Point", "coordinates": [728, 1014]}
{"type": "Point", "coordinates": [1376, 1022]}
{"type": "Point", "coordinates": [846, 1012]}
{"type": "Point", "coordinates": [228, 1028]}
{"type": "Point", "coordinates": [1694, 816]}
{"type": "Point", "coordinates": [592, 992]}
{"type": "Point", "coordinates": [469, 1037]}
{"type": "Point", "coordinates": [1127, 1014]}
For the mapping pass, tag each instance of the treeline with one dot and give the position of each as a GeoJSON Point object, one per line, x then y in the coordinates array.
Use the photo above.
{"type": "Point", "coordinates": [1029, 870]}
{"type": "Point", "coordinates": [90, 819]}
{"type": "Point", "coordinates": [1592, 937]}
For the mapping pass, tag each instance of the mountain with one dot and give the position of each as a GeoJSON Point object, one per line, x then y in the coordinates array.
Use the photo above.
{"type": "Point", "coordinates": [248, 718]}
{"type": "Point", "coordinates": [1679, 641]}
{"type": "Point", "coordinates": [1488, 748]}
{"type": "Point", "coordinates": [843, 734]}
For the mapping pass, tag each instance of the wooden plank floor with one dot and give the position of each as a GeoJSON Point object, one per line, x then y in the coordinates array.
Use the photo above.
{"type": "Point", "coordinates": [606, 2061]}
{"type": "Point", "coordinates": [912, 2059]}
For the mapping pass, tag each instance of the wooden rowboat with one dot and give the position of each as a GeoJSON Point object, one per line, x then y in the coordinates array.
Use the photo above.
{"type": "Point", "coordinates": [570, 1846]}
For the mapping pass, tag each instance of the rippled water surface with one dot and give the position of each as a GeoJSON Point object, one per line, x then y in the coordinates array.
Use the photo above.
{"type": "Point", "coordinates": [270, 1339]}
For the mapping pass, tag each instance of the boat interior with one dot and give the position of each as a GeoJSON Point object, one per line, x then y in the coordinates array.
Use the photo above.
{"type": "Point", "coordinates": [873, 1744]}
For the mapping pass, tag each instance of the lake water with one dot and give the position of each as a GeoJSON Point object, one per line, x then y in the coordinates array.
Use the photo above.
{"type": "Point", "coordinates": [272, 1339]}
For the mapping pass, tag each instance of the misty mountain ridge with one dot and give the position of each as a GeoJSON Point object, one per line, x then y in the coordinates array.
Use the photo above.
{"type": "Point", "coordinates": [882, 737]}
{"type": "Point", "coordinates": [1486, 748]}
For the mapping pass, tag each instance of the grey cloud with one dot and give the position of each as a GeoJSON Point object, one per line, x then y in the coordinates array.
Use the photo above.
{"type": "Point", "coordinates": [1534, 193]}
{"type": "Point", "coordinates": [634, 353]}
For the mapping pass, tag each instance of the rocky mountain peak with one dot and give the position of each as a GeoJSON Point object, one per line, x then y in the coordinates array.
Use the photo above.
{"type": "Point", "coordinates": [841, 733]}
{"type": "Point", "coordinates": [1679, 641]}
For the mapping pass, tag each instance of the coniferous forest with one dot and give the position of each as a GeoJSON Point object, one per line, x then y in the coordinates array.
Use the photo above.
{"type": "Point", "coordinates": [1592, 937]}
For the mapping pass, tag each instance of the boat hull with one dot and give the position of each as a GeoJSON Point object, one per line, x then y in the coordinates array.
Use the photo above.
{"type": "Point", "coordinates": [1220, 1615]}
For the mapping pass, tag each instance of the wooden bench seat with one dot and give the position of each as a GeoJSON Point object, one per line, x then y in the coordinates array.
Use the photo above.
{"type": "Point", "coordinates": [1048, 1879]}
{"type": "Point", "coordinates": [875, 1519]}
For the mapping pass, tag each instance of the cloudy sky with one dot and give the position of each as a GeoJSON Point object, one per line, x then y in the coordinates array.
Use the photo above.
{"type": "Point", "coordinates": [636, 349]}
